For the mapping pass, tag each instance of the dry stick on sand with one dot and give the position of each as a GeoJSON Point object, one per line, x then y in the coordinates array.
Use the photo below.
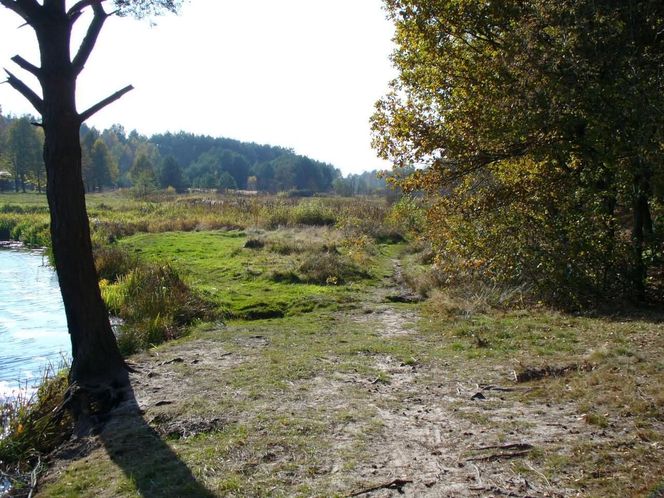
{"type": "Point", "coordinates": [498, 456]}
{"type": "Point", "coordinates": [512, 446]}
{"type": "Point", "coordinates": [393, 484]}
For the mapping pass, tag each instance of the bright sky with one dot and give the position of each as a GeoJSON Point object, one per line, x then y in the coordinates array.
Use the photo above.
{"type": "Point", "coordinates": [296, 73]}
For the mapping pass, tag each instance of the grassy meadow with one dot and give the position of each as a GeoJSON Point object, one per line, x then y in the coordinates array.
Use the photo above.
{"type": "Point", "coordinates": [308, 347]}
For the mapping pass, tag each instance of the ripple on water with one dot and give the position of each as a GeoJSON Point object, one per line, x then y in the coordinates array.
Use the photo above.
{"type": "Point", "coordinates": [33, 326]}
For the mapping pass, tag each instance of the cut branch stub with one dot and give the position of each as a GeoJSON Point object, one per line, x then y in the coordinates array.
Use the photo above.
{"type": "Point", "coordinates": [23, 64]}
{"type": "Point", "coordinates": [26, 91]}
{"type": "Point", "coordinates": [100, 105]}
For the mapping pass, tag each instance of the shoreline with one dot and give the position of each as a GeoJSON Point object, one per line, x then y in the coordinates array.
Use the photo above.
{"type": "Point", "coordinates": [12, 244]}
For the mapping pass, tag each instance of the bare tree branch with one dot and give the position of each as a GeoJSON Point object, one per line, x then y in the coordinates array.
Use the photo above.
{"type": "Point", "coordinates": [29, 67]}
{"type": "Point", "coordinates": [74, 17]}
{"type": "Point", "coordinates": [108, 100]}
{"type": "Point", "coordinates": [26, 91]}
{"type": "Point", "coordinates": [78, 7]}
{"type": "Point", "coordinates": [90, 39]}
{"type": "Point", "coordinates": [20, 7]}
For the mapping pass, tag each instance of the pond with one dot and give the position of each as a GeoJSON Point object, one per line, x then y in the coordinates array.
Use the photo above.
{"type": "Point", "coordinates": [33, 326]}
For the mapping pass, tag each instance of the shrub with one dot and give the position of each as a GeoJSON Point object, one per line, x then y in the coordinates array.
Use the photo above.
{"type": "Point", "coordinates": [276, 216]}
{"type": "Point", "coordinates": [409, 214]}
{"type": "Point", "coordinates": [5, 229]}
{"type": "Point", "coordinates": [329, 268]}
{"type": "Point", "coordinates": [286, 247]}
{"type": "Point", "coordinates": [32, 425]}
{"type": "Point", "coordinates": [112, 262]}
{"type": "Point", "coordinates": [253, 243]}
{"type": "Point", "coordinates": [313, 213]}
{"type": "Point", "coordinates": [536, 224]}
{"type": "Point", "coordinates": [288, 276]}
{"type": "Point", "coordinates": [155, 305]}
{"type": "Point", "coordinates": [31, 229]}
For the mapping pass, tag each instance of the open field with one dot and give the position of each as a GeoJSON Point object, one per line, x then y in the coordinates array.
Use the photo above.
{"type": "Point", "coordinates": [326, 375]}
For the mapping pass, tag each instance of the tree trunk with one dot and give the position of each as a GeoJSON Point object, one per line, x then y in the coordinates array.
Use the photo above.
{"type": "Point", "coordinates": [641, 226]}
{"type": "Point", "coordinates": [96, 358]}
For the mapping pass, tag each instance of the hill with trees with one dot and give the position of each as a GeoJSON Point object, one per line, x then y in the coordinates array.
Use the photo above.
{"type": "Point", "coordinates": [114, 158]}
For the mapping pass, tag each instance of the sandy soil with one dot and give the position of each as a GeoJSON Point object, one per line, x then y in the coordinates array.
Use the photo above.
{"type": "Point", "coordinates": [455, 431]}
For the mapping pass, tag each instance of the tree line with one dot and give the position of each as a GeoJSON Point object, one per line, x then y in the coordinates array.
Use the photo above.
{"type": "Point", "coordinates": [113, 158]}
{"type": "Point", "coordinates": [21, 163]}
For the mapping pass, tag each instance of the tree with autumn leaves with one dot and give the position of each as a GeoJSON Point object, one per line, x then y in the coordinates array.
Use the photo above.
{"type": "Point", "coordinates": [537, 130]}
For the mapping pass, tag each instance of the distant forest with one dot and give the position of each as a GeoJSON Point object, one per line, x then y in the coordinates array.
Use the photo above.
{"type": "Point", "coordinates": [113, 158]}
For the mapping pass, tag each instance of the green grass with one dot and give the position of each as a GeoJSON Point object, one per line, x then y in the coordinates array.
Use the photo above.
{"type": "Point", "coordinates": [240, 280]}
{"type": "Point", "coordinates": [287, 402]}
{"type": "Point", "coordinates": [295, 362]}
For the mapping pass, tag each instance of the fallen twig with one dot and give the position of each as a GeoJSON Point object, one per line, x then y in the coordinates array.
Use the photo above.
{"type": "Point", "coordinates": [33, 477]}
{"type": "Point", "coordinates": [397, 484]}
{"type": "Point", "coordinates": [491, 387]}
{"type": "Point", "coordinates": [498, 456]}
{"type": "Point", "coordinates": [174, 360]}
{"type": "Point", "coordinates": [512, 446]}
{"type": "Point", "coordinates": [526, 374]}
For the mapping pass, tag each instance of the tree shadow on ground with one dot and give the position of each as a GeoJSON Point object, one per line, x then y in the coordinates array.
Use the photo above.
{"type": "Point", "coordinates": [153, 468]}
{"type": "Point", "coordinates": [650, 313]}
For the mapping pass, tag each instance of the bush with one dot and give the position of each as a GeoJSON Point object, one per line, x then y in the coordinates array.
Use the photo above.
{"type": "Point", "coordinates": [31, 229]}
{"type": "Point", "coordinates": [155, 305]}
{"type": "Point", "coordinates": [30, 425]}
{"type": "Point", "coordinates": [276, 216]}
{"type": "Point", "coordinates": [329, 268]}
{"type": "Point", "coordinates": [5, 229]}
{"type": "Point", "coordinates": [533, 226]}
{"type": "Point", "coordinates": [313, 213]}
{"type": "Point", "coordinates": [410, 214]}
{"type": "Point", "coordinates": [288, 276]}
{"type": "Point", "coordinates": [253, 243]}
{"type": "Point", "coordinates": [112, 262]}
{"type": "Point", "coordinates": [286, 247]}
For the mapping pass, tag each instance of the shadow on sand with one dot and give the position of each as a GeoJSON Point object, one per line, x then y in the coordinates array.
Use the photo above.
{"type": "Point", "coordinates": [148, 462]}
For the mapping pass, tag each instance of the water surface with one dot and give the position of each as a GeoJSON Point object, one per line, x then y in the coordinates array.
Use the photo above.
{"type": "Point", "coordinates": [33, 327]}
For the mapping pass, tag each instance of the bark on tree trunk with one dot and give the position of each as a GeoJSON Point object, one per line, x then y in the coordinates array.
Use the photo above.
{"type": "Point", "coordinates": [94, 350]}
{"type": "Point", "coordinates": [96, 358]}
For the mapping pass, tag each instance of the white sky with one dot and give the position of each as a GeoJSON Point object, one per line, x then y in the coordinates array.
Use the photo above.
{"type": "Point", "coordinates": [296, 73]}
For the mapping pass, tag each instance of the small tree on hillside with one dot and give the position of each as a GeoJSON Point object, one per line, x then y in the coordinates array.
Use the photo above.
{"type": "Point", "coordinates": [23, 150]}
{"type": "Point", "coordinates": [143, 176]}
{"type": "Point", "coordinates": [104, 170]}
{"type": "Point", "coordinates": [170, 174]}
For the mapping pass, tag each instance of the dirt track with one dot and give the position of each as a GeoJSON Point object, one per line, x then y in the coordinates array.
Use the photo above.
{"type": "Point", "coordinates": [456, 429]}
